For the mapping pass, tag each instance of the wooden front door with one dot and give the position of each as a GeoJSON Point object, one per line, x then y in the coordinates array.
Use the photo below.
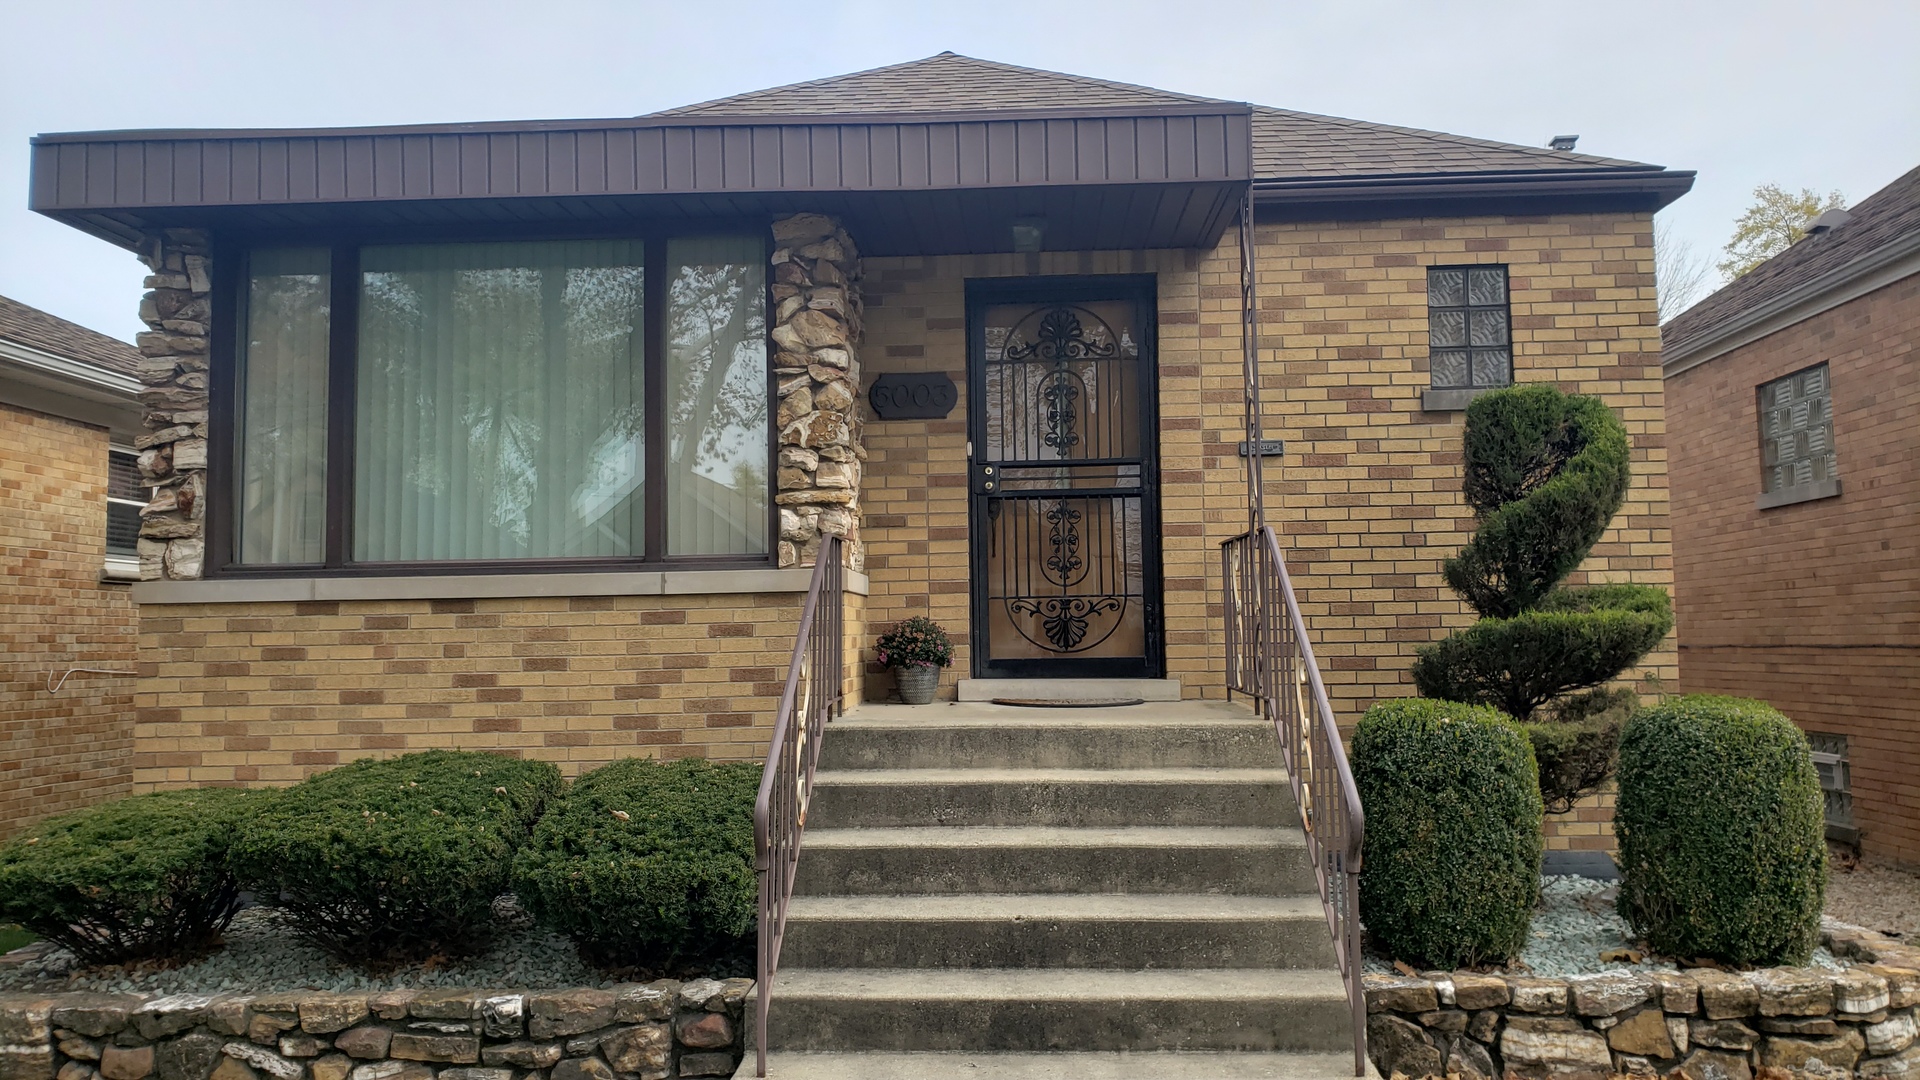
{"type": "Point", "coordinates": [1063, 470]}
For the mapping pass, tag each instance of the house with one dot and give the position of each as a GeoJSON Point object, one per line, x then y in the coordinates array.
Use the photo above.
{"type": "Point", "coordinates": [69, 420]}
{"type": "Point", "coordinates": [1794, 394]}
{"type": "Point", "coordinates": [525, 436]}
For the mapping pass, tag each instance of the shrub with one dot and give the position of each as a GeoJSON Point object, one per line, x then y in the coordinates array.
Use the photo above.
{"type": "Point", "coordinates": [1722, 834]}
{"type": "Point", "coordinates": [1578, 744]}
{"type": "Point", "coordinates": [389, 861]}
{"type": "Point", "coordinates": [138, 878]}
{"type": "Point", "coordinates": [1451, 865]}
{"type": "Point", "coordinates": [647, 864]}
{"type": "Point", "coordinates": [1545, 473]}
{"type": "Point", "coordinates": [915, 642]}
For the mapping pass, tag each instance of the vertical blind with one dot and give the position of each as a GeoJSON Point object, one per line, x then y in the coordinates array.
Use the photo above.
{"type": "Point", "coordinates": [282, 408]}
{"type": "Point", "coordinates": [716, 397]}
{"type": "Point", "coordinates": [501, 401]}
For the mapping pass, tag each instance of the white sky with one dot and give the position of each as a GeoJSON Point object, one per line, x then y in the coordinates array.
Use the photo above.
{"type": "Point", "coordinates": [1816, 94]}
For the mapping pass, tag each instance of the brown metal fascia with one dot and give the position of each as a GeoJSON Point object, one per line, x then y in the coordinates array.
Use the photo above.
{"type": "Point", "coordinates": [678, 120]}
{"type": "Point", "coordinates": [1662, 185]}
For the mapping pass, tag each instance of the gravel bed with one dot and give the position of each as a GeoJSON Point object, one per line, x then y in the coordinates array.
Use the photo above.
{"type": "Point", "coordinates": [1876, 896]}
{"type": "Point", "coordinates": [1574, 925]}
{"type": "Point", "coordinates": [262, 956]}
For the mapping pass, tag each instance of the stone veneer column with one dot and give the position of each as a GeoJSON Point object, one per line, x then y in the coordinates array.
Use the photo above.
{"type": "Point", "coordinates": [816, 330]}
{"type": "Point", "coordinates": [173, 452]}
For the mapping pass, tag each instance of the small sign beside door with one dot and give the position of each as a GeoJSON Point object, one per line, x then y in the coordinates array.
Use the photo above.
{"type": "Point", "coordinates": [913, 397]}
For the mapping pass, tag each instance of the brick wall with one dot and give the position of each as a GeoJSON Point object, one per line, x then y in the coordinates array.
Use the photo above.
{"type": "Point", "coordinates": [1815, 606]}
{"type": "Point", "coordinates": [59, 751]}
{"type": "Point", "coordinates": [271, 692]}
{"type": "Point", "coordinates": [1368, 496]}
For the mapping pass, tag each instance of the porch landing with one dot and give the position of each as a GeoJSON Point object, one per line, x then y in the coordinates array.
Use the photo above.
{"type": "Point", "coordinates": [1006, 893]}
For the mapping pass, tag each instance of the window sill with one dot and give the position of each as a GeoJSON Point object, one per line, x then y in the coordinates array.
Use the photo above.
{"type": "Point", "coordinates": [483, 586]}
{"type": "Point", "coordinates": [1453, 400]}
{"type": "Point", "coordinates": [1825, 489]}
{"type": "Point", "coordinates": [121, 569]}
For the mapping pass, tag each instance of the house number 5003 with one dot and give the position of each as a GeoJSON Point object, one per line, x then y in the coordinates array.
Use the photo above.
{"type": "Point", "coordinates": [913, 397]}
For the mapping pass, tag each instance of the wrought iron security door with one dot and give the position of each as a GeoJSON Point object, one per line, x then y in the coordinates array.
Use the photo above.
{"type": "Point", "coordinates": [1065, 513]}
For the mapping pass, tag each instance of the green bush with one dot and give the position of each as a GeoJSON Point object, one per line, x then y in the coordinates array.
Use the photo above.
{"type": "Point", "coordinates": [1722, 834]}
{"type": "Point", "coordinates": [389, 861]}
{"type": "Point", "coordinates": [1578, 743]}
{"type": "Point", "coordinates": [1451, 865]}
{"type": "Point", "coordinates": [646, 864]}
{"type": "Point", "coordinates": [134, 879]}
{"type": "Point", "coordinates": [1545, 473]}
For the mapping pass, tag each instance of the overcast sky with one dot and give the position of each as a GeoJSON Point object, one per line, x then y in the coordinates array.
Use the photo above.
{"type": "Point", "coordinates": [1817, 94]}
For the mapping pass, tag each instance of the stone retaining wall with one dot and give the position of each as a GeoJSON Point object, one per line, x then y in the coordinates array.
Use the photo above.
{"type": "Point", "coordinates": [1704, 1023]}
{"type": "Point", "coordinates": [651, 1032]}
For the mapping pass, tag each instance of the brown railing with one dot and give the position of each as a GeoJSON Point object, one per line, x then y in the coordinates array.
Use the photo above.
{"type": "Point", "coordinates": [1270, 660]}
{"type": "Point", "coordinates": [812, 697]}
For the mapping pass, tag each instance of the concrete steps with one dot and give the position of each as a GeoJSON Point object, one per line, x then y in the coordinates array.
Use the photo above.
{"type": "Point", "coordinates": [997, 892]}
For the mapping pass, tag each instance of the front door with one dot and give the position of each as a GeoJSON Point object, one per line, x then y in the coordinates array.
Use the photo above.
{"type": "Point", "coordinates": [1065, 511]}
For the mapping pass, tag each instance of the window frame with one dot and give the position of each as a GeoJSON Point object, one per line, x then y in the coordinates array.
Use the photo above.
{"type": "Point", "coordinates": [231, 252]}
{"type": "Point", "coordinates": [1506, 304]}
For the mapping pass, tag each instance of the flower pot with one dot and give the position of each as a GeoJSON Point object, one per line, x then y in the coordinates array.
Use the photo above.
{"type": "Point", "coordinates": [917, 683]}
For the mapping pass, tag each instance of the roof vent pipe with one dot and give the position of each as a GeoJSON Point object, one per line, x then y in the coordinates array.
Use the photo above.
{"type": "Point", "coordinates": [1830, 220]}
{"type": "Point", "coordinates": [1562, 142]}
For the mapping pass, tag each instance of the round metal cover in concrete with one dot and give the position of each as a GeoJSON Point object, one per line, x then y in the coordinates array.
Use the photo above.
{"type": "Point", "coordinates": [1069, 703]}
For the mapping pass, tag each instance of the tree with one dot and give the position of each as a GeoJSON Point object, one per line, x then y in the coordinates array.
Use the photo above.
{"type": "Point", "coordinates": [1776, 219]}
{"type": "Point", "coordinates": [1545, 473]}
{"type": "Point", "coordinates": [1679, 272]}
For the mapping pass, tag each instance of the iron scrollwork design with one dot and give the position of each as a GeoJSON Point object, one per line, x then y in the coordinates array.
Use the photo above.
{"type": "Point", "coordinates": [1064, 620]}
{"type": "Point", "coordinates": [1061, 340]}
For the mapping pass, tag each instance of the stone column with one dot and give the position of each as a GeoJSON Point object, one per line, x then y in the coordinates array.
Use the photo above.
{"type": "Point", "coordinates": [173, 452]}
{"type": "Point", "coordinates": [816, 329]}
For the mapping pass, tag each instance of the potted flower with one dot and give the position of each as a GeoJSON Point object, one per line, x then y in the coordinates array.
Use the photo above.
{"type": "Point", "coordinates": [916, 649]}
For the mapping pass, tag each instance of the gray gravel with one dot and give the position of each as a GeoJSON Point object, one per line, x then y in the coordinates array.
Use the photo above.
{"type": "Point", "coordinates": [1573, 925]}
{"type": "Point", "coordinates": [262, 956]}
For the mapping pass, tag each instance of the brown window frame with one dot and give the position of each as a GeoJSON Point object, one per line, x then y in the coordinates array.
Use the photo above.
{"type": "Point", "coordinates": [230, 266]}
{"type": "Point", "coordinates": [1467, 308]}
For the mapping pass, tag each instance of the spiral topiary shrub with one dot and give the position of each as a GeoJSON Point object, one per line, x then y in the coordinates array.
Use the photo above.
{"type": "Point", "coordinates": [383, 862]}
{"type": "Point", "coordinates": [1722, 832]}
{"type": "Point", "coordinates": [648, 865]}
{"type": "Point", "coordinates": [1451, 865]}
{"type": "Point", "coordinates": [1545, 473]}
{"type": "Point", "coordinates": [135, 879]}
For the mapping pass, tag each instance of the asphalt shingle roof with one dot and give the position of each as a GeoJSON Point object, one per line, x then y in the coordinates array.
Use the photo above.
{"type": "Point", "coordinates": [49, 333]}
{"type": "Point", "coordinates": [1286, 144]}
{"type": "Point", "coordinates": [1883, 218]}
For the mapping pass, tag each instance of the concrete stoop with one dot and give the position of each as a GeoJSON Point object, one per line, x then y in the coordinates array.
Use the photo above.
{"type": "Point", "coordinates": [1005, 893]}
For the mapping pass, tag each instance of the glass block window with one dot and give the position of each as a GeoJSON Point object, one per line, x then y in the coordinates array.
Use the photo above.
{"type": "Point", "coordinates": [1836, 781]}
{"type": "Point", "coordinates": [1796, 431]}
{"type": "Point", "coordinates": [125, 497]}
{"type": "Point", "coordinates": [1469, 327]}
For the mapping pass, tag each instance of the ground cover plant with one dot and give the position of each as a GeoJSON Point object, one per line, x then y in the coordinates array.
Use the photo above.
{"type": "Point", "coordinates": [1722, 832]}
{"type": "Point", "coordinates": [1451, 864]}
{"type": "Point", "coordinates": [648, 865]}
{"type": "Point", "coordinates": [140, 878]}
{"type": "Point", "coordinates": [1545, 474]}
{"type": "Point", "coordinates": [382, 862]}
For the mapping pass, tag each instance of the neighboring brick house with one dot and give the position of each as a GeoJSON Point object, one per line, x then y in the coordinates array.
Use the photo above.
{"type": "Point", "coordinates": [68, 422]}
{"type": "Point", "coordinates": [1794, 395]}
{"type": "Point", "coordinates": [397, 534]}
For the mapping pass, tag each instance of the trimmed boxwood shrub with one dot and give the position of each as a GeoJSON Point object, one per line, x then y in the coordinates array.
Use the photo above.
{"type": "Point", "coordinates": [138, 878]}
{"type": "Point", "coordinates": [389, 861]}
{"type": "Point", "coordinates": [647, 865]}
{"type": "Point", "coordinates": [1722, 832]}
{"type": "Point", "coordinates": [1451, 865]}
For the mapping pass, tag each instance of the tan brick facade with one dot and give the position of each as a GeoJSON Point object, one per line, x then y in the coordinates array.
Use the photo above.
{"type": "Point", "coordinates": [1813, 607]}
{"type": "Point", "coordinates": [268, 693]}
{"type": "Point", "coordinates": [1367, 498]}
{"type": "Point", "coordinates": [68, 749]}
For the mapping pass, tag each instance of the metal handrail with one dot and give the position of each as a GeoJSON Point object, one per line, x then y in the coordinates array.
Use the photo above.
{"type": "Point", "coordinates": [813, 695]}
{"type": "Point", "coordinates": [1270, 659]}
